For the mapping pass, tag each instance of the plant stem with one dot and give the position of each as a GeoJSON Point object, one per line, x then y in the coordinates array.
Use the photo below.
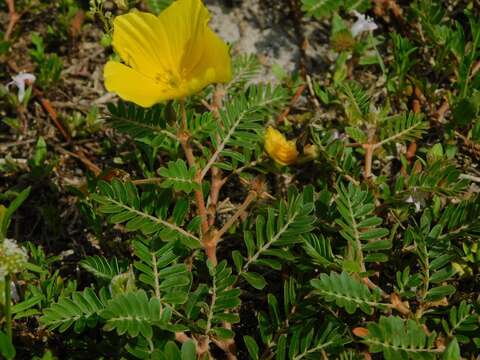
{"type": "Point", "coordinates": [368, 160]}
{"type": "Point", "coordinates": [217, 183]}
{"type": "Point", "coordinates": [184, 138]}
{"type": "Point", "coordinates": [14, 17]}
{"type": "Point", "coordinates": [154, 180]}
{"type": "Point", "coordinates": [251, 197]}
{"type": "Point", "coordinates": [8, 306]}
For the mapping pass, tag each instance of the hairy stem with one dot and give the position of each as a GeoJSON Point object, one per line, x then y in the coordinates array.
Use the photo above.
{"type": "Point", "coordinates": [217, 184]}
{"type": "Point", "coordinates": [369, 148]}
{"type": "Point", "coordinates": [184, 139]}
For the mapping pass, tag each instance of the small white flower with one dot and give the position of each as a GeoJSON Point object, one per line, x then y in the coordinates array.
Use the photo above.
{"type": "Point", "coordinates": [416, 199]}
{"type": "Point", "coordinates": [19, 81]}
{"type": "Point", "coordinates": [363, 23]}
{"type": "Point", "coordinates": [13, 257]}
{"type": "Point", "coordinates": [410, 200]}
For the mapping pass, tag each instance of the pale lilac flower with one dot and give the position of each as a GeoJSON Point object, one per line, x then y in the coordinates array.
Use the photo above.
{"type": "Point", "coordinates": [19, 81]}
{"type": "Point", "coordinates": [363, 23]}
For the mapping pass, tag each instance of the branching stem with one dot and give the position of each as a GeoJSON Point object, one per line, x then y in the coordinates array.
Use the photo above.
{"type": "Point", "coordinates": [250, 198]}
{"type": "Point", "coordinates": [14, 17]}
{"type": "Point", "coordinates": [184, 139]}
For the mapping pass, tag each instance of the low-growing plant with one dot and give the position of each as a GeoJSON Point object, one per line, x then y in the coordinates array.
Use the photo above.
{"type": "Point", "coordinates": [235, 230]}
{"type": "Point", "coordinates": [49, 65]}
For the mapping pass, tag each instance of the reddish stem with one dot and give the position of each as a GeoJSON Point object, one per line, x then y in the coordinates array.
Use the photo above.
{"type": "Point", "coordinates": [184, 138]}
{"type": "Point", "coordinates": [281, 118]}
{"type": "Point", "coordinates": [14, 17]}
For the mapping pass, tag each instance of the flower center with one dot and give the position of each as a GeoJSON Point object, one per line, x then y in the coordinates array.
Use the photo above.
{"type": "Point", "coordinates": [168, 78]}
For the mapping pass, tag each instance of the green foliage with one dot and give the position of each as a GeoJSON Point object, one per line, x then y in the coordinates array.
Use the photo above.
{"type": "Point", "coordinates": [357, 106]}
{"type": "Point", "coordinates": [156, 6]}
{"type": "Point", "coordinates": [402, 128]}
{"type": "Point", "coordinates": [321, 8]}
{"type": "Point", "coordinates": [300, 345]}
{"type": "Point", "coordinates": [468, 55]}
{"type": "Point", "coordinates": [38, 164]}
{"type": "Point", "coordinates": [102, 267]}
{"type": "Point", "coordinates": [403, 50]}
{"type": "Point", "coordinates": [49, 65]}
{"type": "Point", "coordinates": [6, 347]}
{"type": "Point", "coordinates": [171, 351]}
{"type": "Point", "coordinates": [360, 227]}
{"type": "Point", "coordinates": [252, 347]}
{"type": "Point", "coordinates": [347, 292]}
{"type": "Point", "coordinates": [81, 310]}
{"type": "Point", "coordinates": [333, 154]}
{"type": "Point", "coordinates": [197, 245]}
{"type": "Point", "coordinates": [140, 123]}
{"type": "Point", "coordinates": [282, 227]}
{"type": "Point", "coordinates": [122, 203]}
{"type": "Point", "coordinates": [462, 322]}
{"type": "Point", "coordinates": [160, 270]}
{"type": "Point", "coordinates": [6, 213]}
{"type": "Point", "coordinates": [396, 338]}
{"type": "Point", "coordinates": [325, 8]}
{"type": "Point", "coordinates": [223, 301]}
{"type": "Point", "coordinates": [242, 119]}
{"type": "Point", "coordinates": [178, 176]}
{"type": "Point", "coordinates": [319, 249]}
{"type": "Point", "coordinates": [287, 334]}
{"type": "Point", "coordinates": [80, 125]}
{"type": "Point", "coordinates": [245, 69]}
{"type": "Point", "coordinates": [133, 313]}
{"type": "Point", "coordinates": [442, 177]}
{"type": "Point", "coordinates": [310, 344]}
{"type": "Point", "coordinates": [462, 220]}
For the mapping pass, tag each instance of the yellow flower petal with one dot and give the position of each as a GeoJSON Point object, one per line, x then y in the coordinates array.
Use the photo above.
{"type": "Point", "coordinates": [205, 57]}
{"type": "Point", "coordinates": [174, 54]}
{"type": "Point", "coordinates": [141, 41]}
{"type": "Point", "coordinates": [213, 66]}
{"type": "Point", "coordinates": [132, 85]}
{"type": "Point", "coordinates": [186, 22]}
{"type": "Point", "coordinates": [283, 151]}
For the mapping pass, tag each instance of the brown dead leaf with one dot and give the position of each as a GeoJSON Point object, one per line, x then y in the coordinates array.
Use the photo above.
{"type": "Point", "coordinates": [76, 23]}
{"type": "Point", "coordinates": [440, 342]}
{"type": "Point", "coordinates": [360, 331]}
{"type": "Point", "coordinates": [411, 151]}
{"type": "Point", "coordinates": [398, 305]}
{"type": "Point", "coordinates": [417, 168]}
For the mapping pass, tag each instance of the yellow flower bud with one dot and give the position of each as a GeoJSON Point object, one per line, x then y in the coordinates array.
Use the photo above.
{"type": "Point", "coordinates": [283, 151]}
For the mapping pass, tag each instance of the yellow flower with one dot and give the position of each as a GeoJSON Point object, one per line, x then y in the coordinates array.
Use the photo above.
{"type": "Point", "coordinates": [283, 151]}
{"type": "Point", "coordinates": [167, 57]}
